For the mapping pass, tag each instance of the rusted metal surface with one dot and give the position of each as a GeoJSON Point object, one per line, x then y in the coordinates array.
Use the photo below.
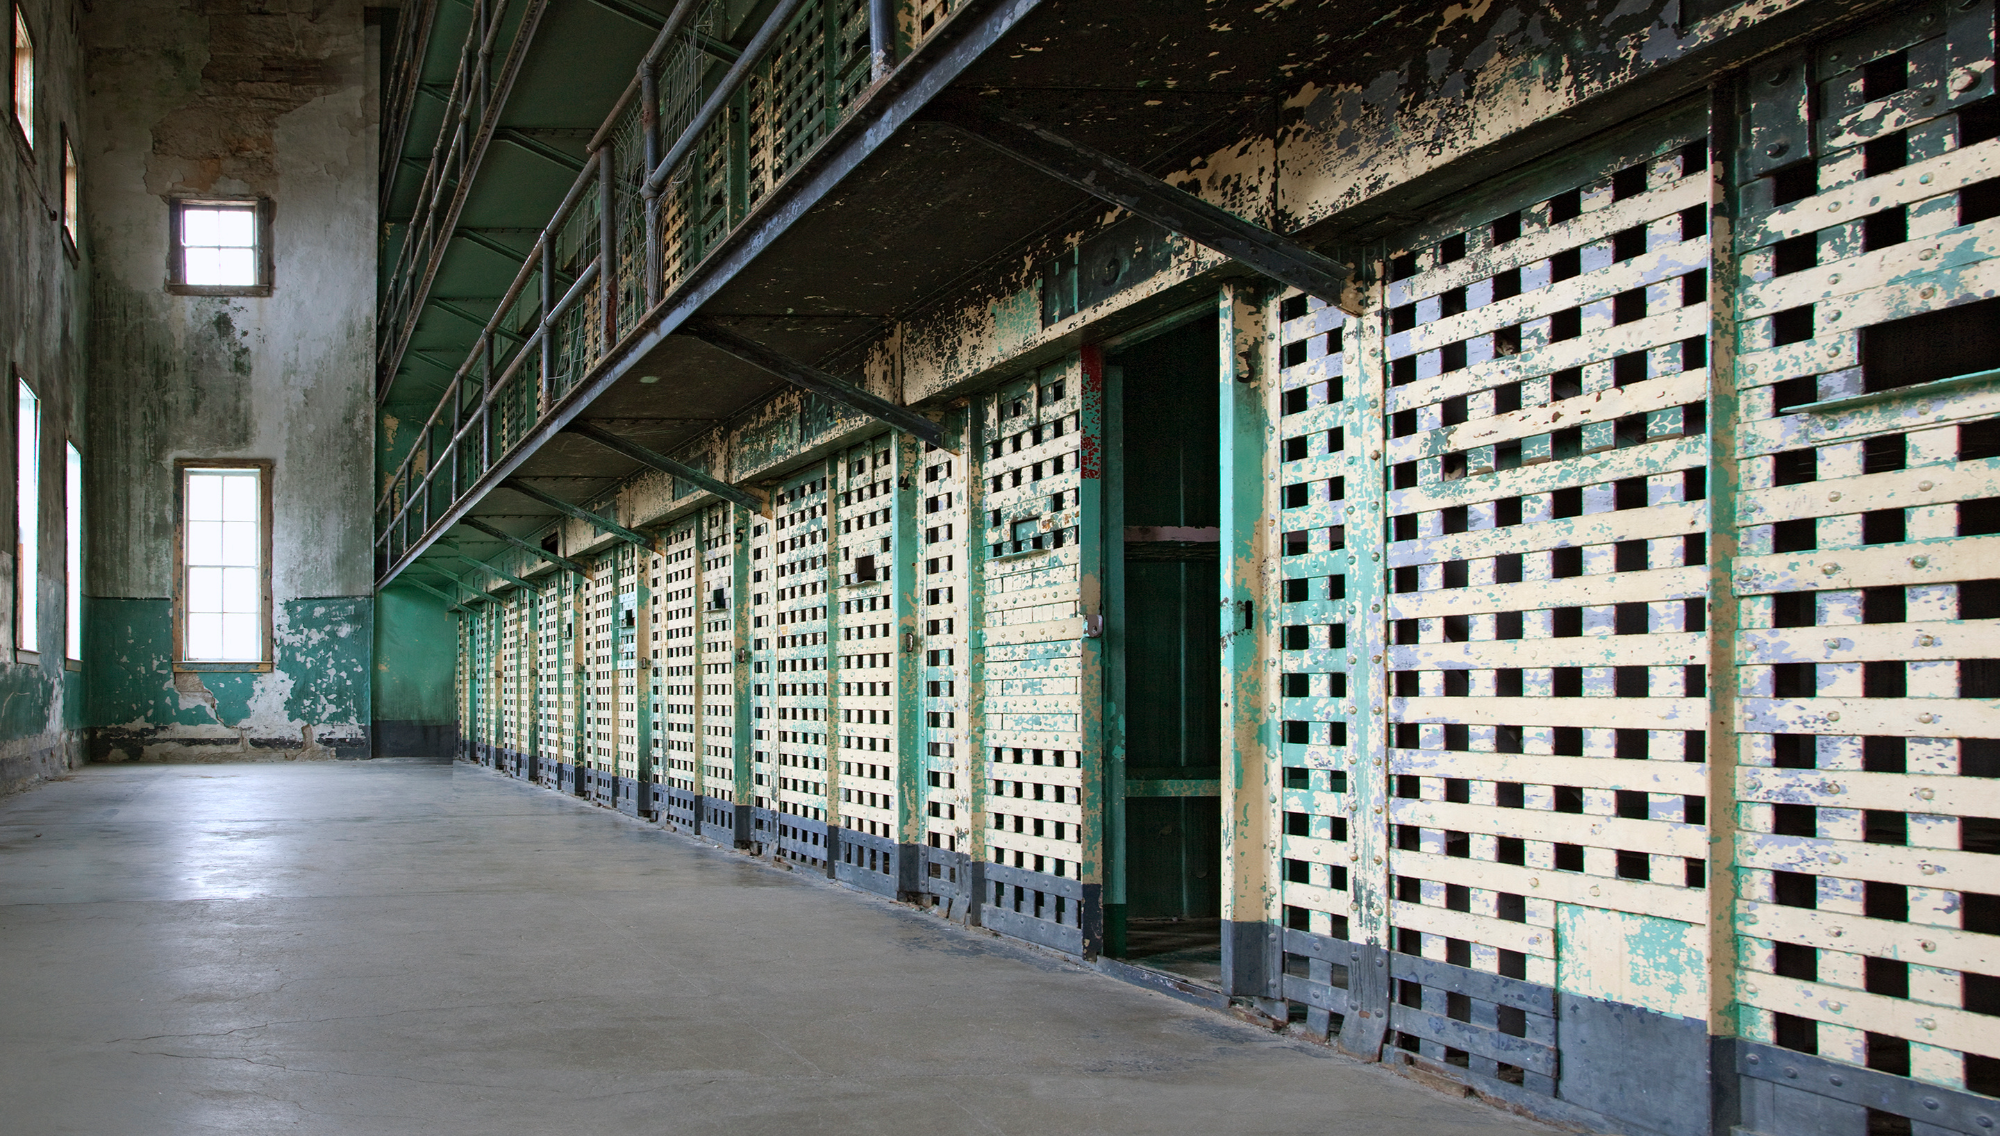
{"type": "Point", "coordinates": [1603, 614]}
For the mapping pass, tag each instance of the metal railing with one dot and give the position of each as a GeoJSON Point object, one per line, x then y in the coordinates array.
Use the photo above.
{"type": "Point", "coordinates": [682, 160]}
{"type": "Point", "coordinates": [465, 130]}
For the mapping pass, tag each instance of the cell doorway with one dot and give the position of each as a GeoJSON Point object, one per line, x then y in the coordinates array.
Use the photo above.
{"type": "Point", "coordinates": [1163, 513]}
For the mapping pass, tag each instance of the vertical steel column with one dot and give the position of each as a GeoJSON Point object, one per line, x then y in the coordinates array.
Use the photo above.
{"type": "Point", "coordinates": [1090, 538]}
{"type": "Point", "coordinates": [548, 303]}
{"type": "Point", "coordinates": [1724, 481]}
{"type": "Point", "coordinates": [1367, 646]}
{"type": "Point", "coordinates": [907, 464]}
{"type": "Point", "coordinates": [649, 131]}
{"type": "Point", "coordinates": [972, 484]}
{"type": "Point", "coordinates": [882, 37]}
{"type": "Point", "coordinates": [644, 673]}
{"type": "Point", "coordinates": [1116, 629]}
{"type": "Point", "coordinates": [607, 246]}
{"type": "Point", "coordinates": [742, 732]}
{"type": "Point", "coordinates": [1251, 962]}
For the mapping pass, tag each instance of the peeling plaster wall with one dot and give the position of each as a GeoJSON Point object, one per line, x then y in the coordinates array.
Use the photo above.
{"type": "Point", "coordinates": [232, 97]}
{"type": "Point", "coordinates": [42, 287]}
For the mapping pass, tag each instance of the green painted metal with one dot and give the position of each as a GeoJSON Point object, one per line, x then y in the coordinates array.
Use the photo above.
{"type": "Point", "coordinates": [414, 660]}
{"type": "Point", "coordinates": [1250, 888]}
{"type": "Point", "coordinates": [530, 549]}
{"type": "Point", "coordinates": [912, 789]}
{"type": "Point", "coordinates": [1091, 535]}
{"type": "Point", "coordinates": [1117, 616]}
{"type": "Point", "coordinates": [576, 511]}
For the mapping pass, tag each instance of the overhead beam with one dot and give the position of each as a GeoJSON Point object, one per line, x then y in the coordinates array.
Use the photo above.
{"type": "Point", "coordinates": [453, 309]}
{"type": "Point", "coordinates": [538, 148]}
{"type": "Point", "coordinates": [1144, 195]}
{"type": "Point", "coordinates": [517, 542]}
{"type": "Point", "coordinates": [665, 464]}
{"type": "Point", "coordinates": [577, 511]}
{"type": "Point", "coordinates": [811, 378]}
{"type": "Point", "coordinates": [489, 244]}
{"type": "Point", "coordinates": [485, 567]}
{"type": "Point", "coordinates": [479, 592]}
{"type": "Point", "coordinates": [644, 17]}
{"type": "Point", "coordinates": [451, 604]}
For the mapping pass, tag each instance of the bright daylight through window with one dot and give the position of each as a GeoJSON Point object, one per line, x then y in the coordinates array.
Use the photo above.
{"type": "Point", "coordinates": [219, 245]}
{"type": "Point", "coordinates": [73, 563]}
{"type": "Point", "coordinates": [27, 515]}
{"type": "Point", "coordinates": [223, 592]}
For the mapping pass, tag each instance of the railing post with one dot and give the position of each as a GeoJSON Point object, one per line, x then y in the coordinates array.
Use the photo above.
{"type": "Point", "coordinates": [649, 130]}
{"type": "Point", "coordinates": [485, 404]}
{"type": "Point", "coordinates": [881, 38]}
{"type": "Point", "coordinates": [548, 299]}
{"type": "Point", "coordinates": [607, 246]}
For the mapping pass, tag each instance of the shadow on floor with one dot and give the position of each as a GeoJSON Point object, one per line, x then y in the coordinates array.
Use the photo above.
{"type": "Point", "coordinates": [1189, 948]}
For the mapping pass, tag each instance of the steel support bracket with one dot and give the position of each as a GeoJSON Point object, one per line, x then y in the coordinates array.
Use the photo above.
{"type": "Point", "coordinates": [517, 542]}
{"type": "Point", "coordinates": [577, 511]}
{"type": "Point", "coordinates": [819, 382]}
{"type": "Point", "coordinates": [478, 593]}
{"type": "Point", "coordinates": [665, 464]}
{"type": "Point", "coordinates": [1144, 195]}
{"type": "Point", "coordinates": [485, 567]}
{"type": "Point", "coordinates": [450, 604]}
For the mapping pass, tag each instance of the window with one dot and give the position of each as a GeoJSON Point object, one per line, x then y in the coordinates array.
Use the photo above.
{"type": "Point", "coordinates": [225, 554]}
{"type": "Point", "coordinates": [72, 196]}
{"type": "Point", "coordinates": [27, 516]}
{"type": "Point", "coordinates": [73, 548]}
{"type": "Point", "coordinates": [219, 248]}
{"type": "Point", "coordinates": [24, 78]}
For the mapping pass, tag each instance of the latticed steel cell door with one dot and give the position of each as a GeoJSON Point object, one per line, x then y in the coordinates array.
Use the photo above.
{"type": "Point", "coordinates": [1534, 606]}
{"type": "Point", "coordinates": [1869, 461]}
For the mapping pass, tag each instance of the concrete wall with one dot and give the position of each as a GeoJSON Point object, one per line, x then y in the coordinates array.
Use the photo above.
{"type": "Point", "coordinates": [232, 97]}
{"type": "Point", "coordinates": [42, 290]}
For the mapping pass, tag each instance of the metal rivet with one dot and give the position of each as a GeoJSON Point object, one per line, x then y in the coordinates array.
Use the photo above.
{"type": "Point", "coordinates": [1927, 254]}
{"type": "Point", "coordinates": [1920, 561]}
{"type": "Point", "coordinates": [1931, 1103]}
{"type": "Point", "coordinates": [1791, 1072]}
{"type": "Point", "coordinates": [1833, 496]}
{"type": "Point", "coordinates": [1778, 77]}
{"type": "Point", "coordinates": [1927, 293]}
{"type": "Point", "coordinates": [1928, 945]}
{"type": "Point", "coordinates": [1829, 569]}
{"type": "Point", "coordinates": [1924, 486]}
{"type": "Point", "coordinates": [1756, 1059]}
{"type": "Point", "coordinates": [1836, 1080]}
{"type": "Point", "coordinates": [1776, 149]}
{"type": "Point", "coordinates": [1833, 207]}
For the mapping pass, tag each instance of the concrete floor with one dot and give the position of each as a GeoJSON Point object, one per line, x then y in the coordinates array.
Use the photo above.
{"type": "Point", "coordinates": [409, 947]}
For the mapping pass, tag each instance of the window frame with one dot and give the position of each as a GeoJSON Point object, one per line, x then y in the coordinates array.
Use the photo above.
{"type": "Point", "coordinates": [264, 468]}
{"type": "Point", "coordinates": [27, 576]}
{"type": "Point", "coordinates": [72, 195]}
{"type": "Point", "coordinates": [72, 554]}
{"type": "Point", "coordinates": [24, 123]}
{"type": "Point", "coordinates": [177, 263]}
